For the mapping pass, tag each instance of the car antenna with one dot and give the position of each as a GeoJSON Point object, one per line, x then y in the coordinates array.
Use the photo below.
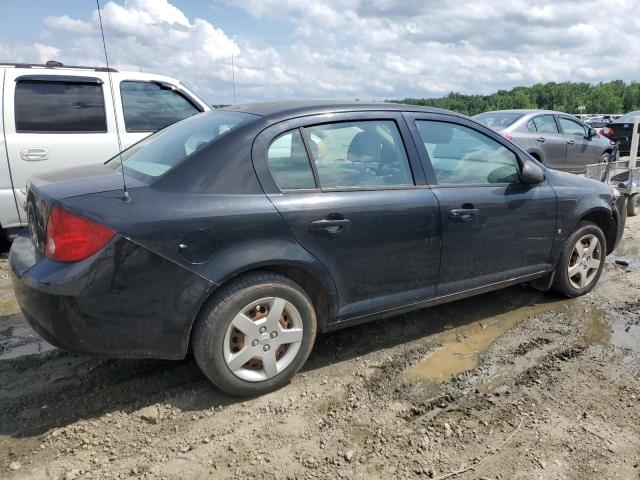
{"type": "Point", "coordinates": [115, 113]}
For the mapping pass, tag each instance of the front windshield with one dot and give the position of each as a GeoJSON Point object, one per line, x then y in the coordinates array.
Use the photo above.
{"type": "Point", "coordinates": [497, 120]}
{"type": "Point", "coordinates": [162, 151]}
{"type": "Point", "coordinates": [627, 117]}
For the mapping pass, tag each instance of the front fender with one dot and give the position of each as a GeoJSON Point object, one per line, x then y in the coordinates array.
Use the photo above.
{"type": "Point", "coordinates": [581, 198]}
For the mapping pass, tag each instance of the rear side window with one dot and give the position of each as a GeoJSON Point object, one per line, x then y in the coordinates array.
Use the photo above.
{"type": "Point", "coordinates": [289, 163]}
{"type": "Point", "coordinates": [149, 107]}
{"type": "Point", "coordinates": [59, 107]}
{"type": "Point", "coordinates": [359, 154]}
{"type": "Point", "coordinates": [543, 124]}
{"type": "Point", "coordinates": [463, 156]}
{"type": "Point", "coordinates": [162, 151]}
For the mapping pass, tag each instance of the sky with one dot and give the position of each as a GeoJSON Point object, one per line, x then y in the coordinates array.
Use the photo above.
{"type": "Point", "coordinates": [339, 49]}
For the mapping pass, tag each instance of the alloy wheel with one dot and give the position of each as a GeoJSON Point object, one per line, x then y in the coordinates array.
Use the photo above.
{"type": "Point", "coordinates": [263, 339]}
{"type": "Point", "coordinates": [584, 263]}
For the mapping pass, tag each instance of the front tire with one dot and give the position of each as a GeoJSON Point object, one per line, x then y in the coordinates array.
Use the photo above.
{"type": "Point", "coordinates": [582, 261]}
{"type": "Point", "coordinates": [254, 334]}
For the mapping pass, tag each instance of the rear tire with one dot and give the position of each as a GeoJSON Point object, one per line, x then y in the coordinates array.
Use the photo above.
{"type": "Point", "coordinates": [582, 261]}
{"type": "Point", "coordinates": [254, 334]}
{"type": "Point", "coordinates": [604, 158]}
{"type": "Point", "coordinates": [633, 205]}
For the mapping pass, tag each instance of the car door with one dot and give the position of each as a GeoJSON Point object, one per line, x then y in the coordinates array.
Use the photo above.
{"type": "Point", "coordinates": [148, 106]}
{"type": "Point", "coordinates": [548, 139]}
{"type": "Point", "coordinates": [55, 120]}
{"type": "Point", "coordinates": [360, 206]}
{"type": "Point", "coordinates": [494, 228]}
{"type": "Point", "coordinates": [580, 149]}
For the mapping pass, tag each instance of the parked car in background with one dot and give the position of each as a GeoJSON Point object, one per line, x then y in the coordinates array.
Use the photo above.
{"type": "Point", "coordinates": [556, 139]}
{"type": "Point", "coordinates": [620, 130]}
{"type": "Point", "coordinates": [247, 230]}
{"type": "Point", "coordinates": [55, 116]}
{"type": "Point", "coordinates": [598, 121]}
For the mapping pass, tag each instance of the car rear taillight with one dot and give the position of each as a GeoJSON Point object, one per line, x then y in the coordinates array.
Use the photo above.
{"type": "Point", "coordinates": [607, 132]}
{"type": "Point", "coordinates": [71, 238]}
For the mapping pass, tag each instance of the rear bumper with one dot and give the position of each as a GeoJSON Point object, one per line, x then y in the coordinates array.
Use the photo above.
{"type": "Point", "coordinates": [125, 301]}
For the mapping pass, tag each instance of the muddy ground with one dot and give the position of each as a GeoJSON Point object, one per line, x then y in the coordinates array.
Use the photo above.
{"type": "Point", "coordinates": [512, 384]}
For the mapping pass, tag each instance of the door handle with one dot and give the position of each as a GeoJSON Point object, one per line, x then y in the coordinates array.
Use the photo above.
{"type": "Point", "coordinates": [34, 154]}
{"type": "Point", "coordinates": [330, 225]}
{"type": "Point", "coordinates": [463, 214]}
{"type": "Point", "coordinates": [541, 139]}
{"type": "Point", "coordinates": [571, 142]}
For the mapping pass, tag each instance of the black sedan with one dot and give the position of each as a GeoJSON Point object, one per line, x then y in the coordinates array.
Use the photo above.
{"type": "Point", "coordinates": [620, 130]}
{"type": "Point", "coordinates": [245, 231]}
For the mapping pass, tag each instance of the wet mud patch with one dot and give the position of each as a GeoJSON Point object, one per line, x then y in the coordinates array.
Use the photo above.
{"type": "Point", "coordinates": [529, 345]}
{"type": "Point", "coordinates": [551, 362]}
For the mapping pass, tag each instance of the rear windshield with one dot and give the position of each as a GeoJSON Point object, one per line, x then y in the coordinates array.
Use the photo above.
{"type": "Point", "coordinates": [162, 151]}
{"type": "Point", "coordinates": [627, 117]}
{"type": "Point", "coordinates": [497, 119]}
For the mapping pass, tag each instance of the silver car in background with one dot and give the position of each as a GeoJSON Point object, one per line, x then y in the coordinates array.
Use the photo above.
{"type": "Point", "coordinates": [557, 139]}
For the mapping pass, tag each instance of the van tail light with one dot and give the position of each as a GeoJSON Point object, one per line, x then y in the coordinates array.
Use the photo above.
{"type": "Point", "coordinates": [71, 238]}
{"type": "Point", "coordinates": [607, 132]}
{"type": "Point", "coordinates": [507, 136]}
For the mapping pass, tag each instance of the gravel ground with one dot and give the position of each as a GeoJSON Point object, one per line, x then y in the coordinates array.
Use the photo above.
{"type": "Point", "coordinates": [511, 384]}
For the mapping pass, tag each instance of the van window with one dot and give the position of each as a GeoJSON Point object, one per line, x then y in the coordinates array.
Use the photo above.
{"type": "Point", "coordinates": [149, 107]}
{"type": "Point", "coordinates": [43, 106]}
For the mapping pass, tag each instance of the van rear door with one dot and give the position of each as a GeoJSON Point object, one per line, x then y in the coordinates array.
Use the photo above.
{"type": "Point", "coordinates": [53, 120]}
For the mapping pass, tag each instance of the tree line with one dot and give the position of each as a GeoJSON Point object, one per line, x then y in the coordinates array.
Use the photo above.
{"type": "Point", "coordinates": [616, 96]}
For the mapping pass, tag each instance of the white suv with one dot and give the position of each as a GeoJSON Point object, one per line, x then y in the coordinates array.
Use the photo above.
{"type": "Point", "coordinates": [55, 116]}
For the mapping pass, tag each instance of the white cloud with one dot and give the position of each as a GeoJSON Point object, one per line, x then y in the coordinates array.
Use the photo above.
{"type": "Point", "coordinates": [365, 48]}
{"type": "Point", "coordinates": [36, 53]}
{"type": "Point", "coordinates": [64, 22]}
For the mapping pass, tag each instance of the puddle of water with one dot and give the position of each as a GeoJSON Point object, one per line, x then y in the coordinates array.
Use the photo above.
{"type": "Point", "coordinates": [462, 346]}
{"type": "Point", "coordinates": [598, 331]}
{"type": "Point", "coordinates": [18, 340]}
{"type": "Point", "coordinates": [8, 306]}
{"type": "Point", "coordinates": [629, 250]}
{"type": "Point", "coordinates": [628, 247]}
{"type": "Point", "coordinates": [30, 348]}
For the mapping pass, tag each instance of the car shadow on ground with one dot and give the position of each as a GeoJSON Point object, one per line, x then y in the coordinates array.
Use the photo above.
{"type": "Point", "coordinates": [55, 388]}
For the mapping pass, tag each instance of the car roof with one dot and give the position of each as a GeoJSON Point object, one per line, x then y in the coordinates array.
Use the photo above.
{"type": "Point", "coordinates": [527, 111]}
{"type": "Point", "coordinates": [300, 108]}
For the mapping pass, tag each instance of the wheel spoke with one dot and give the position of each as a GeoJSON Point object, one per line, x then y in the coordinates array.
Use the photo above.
{"type": "Point", "coordinates": [578, 250]}
{"type": "Point", "coordinates": [245, 325]}
{"type": "Point", "coordinates": [593, 263]}
{"type": "Point", "coordinates": [573, 270]}
{"type": "Point", "coordinates": [289, 335]}
{"type": "Point", "coordinates": [269, 363]}
{"type": "Point", "coordinates": [582, 279]}
{"type": "Point", "coordinates": [275, 312]}
{"type": "Point", "coordinates": [593, 244]}
{"type": "Point", "coordinates": [237, 360]}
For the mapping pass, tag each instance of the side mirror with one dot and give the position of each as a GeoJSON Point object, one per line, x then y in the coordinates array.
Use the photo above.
{"type": "Point", "coordinates": [531, 173]}
{"type": "Point", "coordinates": [592, 133]}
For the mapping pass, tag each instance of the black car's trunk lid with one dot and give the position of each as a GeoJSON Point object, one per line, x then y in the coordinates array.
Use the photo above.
{"type": "Point", "coordinates": [621, 133]}
{"type": "Point", "coordinates": [45, 190]}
